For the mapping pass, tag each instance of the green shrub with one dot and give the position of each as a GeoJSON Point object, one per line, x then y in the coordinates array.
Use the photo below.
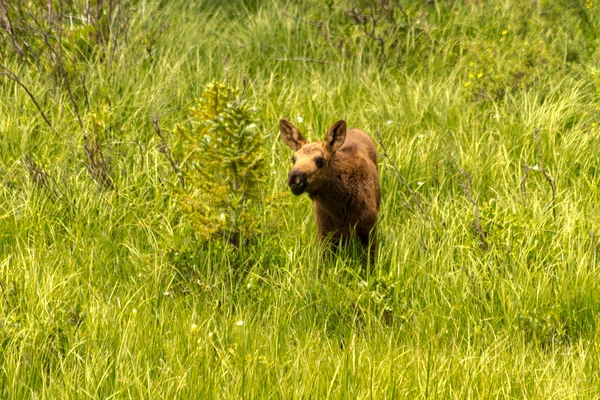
{"type": "Point", "coordinates": [223, 164]}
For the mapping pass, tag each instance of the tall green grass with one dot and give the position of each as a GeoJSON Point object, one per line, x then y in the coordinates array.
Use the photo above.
{"type": "Point", "coordinates": [107, 293]}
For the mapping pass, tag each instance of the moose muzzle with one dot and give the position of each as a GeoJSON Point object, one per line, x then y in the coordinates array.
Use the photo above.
{"type": "Point", "coordinates": [297, 181]}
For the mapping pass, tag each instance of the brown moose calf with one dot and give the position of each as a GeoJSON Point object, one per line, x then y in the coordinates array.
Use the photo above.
{"type": "Point", "coordinates": [340, 176]}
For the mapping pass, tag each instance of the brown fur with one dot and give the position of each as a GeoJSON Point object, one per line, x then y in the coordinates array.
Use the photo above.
{"type": "Point", "coordinates": [345, 190]}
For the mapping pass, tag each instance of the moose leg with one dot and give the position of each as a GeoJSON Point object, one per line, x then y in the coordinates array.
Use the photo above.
{"type": "Point", "coordinates": [369, 243]}
{"type": "Point", "coordinates": [366, 228]}
{"type": "Point", "coordinates": [330, 247]}
{"type": "Point", "coordinates": [328, 232]}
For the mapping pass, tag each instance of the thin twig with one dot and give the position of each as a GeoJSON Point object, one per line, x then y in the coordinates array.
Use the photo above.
{"type": "Point", "coordinates": [226, 68]}
{"type": "Point", "coordinates": [164, 148]}
{"type": "Point", "coordinates": [57, 59]}
{"type": "Point", "coordinates": [244, 87]}
{"type": "Point", "coordinates": [85, 91]}
{"type": "Point", "coordinates": [465, 183]}
{"type": "Point", "coordinates": [5, 20]}
{"type": "Point", "coordinates": [404, 182]}
{"type": "Point", "coordinates": [96, 163]}
{"type": "Point", "coordinates": [403, 13]}
{"type": "Point", "coordinates": [41, 178]}
{"type": "Point", "coordinates": [363, 20]}
{"type": "Point", "coordinates": [285, 14]}
{"type": "Point", "coordinates": [15, 78]}
{"type": "Point", "coordinates": [319, 25]}
{"type": "Point", "coordinates": [303, 59]}
{"type": "Point", "coordinates": [526, 170]}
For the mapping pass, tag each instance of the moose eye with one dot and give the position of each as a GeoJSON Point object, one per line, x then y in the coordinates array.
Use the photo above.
{"type": "Point", "coordinates": [320, 162]}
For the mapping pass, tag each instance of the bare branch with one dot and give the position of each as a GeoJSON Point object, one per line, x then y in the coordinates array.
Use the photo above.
{"type": "Point", "coordinates": [164, 148]}
{"type": "Point", "coordinates": [56, 56]}
{"type": "Point", "coordinates": [303, 59]}
{"type": "Point", "coordinates": [245, 87]}
{"type": "Point", "coordinates": [319, 25]}
{"type": "Point", "coordinates": [526, 171]}
{"type": "Point", "coordinates": [96, 163]}
{"type": "Point", "coordinates": [373, 18]}
{"type": "Point", "coordinates": [5, 71]}
{"type": "Point", "coordinates": [41, 178]}
{"type": "Point", "coordinates": [285, 14]}
{"type": "Point", "coordinates": [5, 20]}
{"type": "Point", "coordinates": [405, 183]}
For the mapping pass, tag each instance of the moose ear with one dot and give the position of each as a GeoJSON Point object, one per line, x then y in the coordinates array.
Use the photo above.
{"type": "Point", "coordinates": [291, 135]}
{"type": "Point", "coordinates": [336, 135]}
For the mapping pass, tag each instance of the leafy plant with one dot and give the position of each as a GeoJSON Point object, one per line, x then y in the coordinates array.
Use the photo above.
{"type": "Point", "coordinates": [223, 164]}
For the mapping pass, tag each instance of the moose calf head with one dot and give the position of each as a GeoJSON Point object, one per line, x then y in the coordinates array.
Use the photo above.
{"type": "Point", "coordinates": [312, 161]}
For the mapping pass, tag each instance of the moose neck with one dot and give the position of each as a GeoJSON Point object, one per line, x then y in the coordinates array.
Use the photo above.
{"type": "Point", "coordinates": [336, 192]}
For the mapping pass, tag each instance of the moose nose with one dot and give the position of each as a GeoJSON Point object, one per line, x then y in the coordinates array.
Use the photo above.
{"type": "Point", "coordinates": [296, 180]}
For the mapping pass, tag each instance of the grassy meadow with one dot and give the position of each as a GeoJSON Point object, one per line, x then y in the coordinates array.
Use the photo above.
{"type": "Point", "coordinates": [486, 282]}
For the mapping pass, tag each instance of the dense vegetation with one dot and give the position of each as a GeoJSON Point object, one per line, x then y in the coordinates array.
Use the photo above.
{"type": "Point", "coordinates": [133, 263]}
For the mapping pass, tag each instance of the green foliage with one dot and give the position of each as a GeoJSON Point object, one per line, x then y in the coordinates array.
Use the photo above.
{"type": "Point", "coordinates": [223, 163]}
{"type": "Point", "coordinates": [107, 293]}
{"type": "Point", "coordinates": [374, 30]}
{"type": "Point", "coordinates": [64, 34]}
{"type": "Point", "coordinates": [529, 47]}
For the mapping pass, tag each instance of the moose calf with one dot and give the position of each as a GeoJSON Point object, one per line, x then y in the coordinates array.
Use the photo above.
{"type": "Point", "coordinates": [340, 176]}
